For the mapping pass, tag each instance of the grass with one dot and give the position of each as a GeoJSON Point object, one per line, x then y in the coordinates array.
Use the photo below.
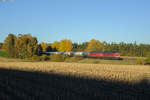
{"type": "Point", "coordinates": [5, 58]}
{"type": "Point", "coordinates": [73, 81]}
{"type": "Point", "coordinates": [125, 61]}
{"type": "Point", "coordinates": [3, 54]}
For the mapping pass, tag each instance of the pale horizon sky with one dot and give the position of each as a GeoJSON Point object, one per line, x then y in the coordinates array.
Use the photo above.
{"type": "Point", "coordinates": [77, 20]}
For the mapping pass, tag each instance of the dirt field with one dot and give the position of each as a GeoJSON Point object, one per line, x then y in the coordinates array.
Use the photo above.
{"type": "Point", "coordinates": [73, 81]}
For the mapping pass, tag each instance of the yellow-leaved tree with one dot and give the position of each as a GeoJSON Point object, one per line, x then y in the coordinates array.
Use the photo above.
{"type": "Point", "coordinates": [95, 45]}
{"type": "Point", "coordinates": [55, 46]}
{"type": "Point", "coordinates": [23, 46]}
{"type": "Point", "coordinates": [65, 46]}
{"type": "Point", "coordinates": [45, 46]}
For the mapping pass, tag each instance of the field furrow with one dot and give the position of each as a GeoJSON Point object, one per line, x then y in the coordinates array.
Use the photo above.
{"type": "Point", "coordinates": [72, 81]}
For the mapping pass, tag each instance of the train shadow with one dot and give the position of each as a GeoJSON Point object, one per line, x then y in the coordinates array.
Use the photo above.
{"type": "Point", "coordinates": [23, 85]}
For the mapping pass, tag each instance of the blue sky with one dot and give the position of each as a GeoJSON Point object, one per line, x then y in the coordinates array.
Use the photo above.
{"type": "Point", "coordinates": [77, 20]}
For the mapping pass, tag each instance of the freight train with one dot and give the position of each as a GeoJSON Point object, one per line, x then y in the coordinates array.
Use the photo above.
{"type": "Point", "coordinates": [92, 54]}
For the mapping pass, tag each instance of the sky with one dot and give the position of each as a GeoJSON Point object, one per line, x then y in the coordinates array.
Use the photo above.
{"type": "Point", "coordinates": [77, 20]}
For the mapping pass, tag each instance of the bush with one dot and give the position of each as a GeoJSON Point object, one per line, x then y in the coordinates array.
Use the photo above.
{"type": "Point", "coordinates": [44, 58]}
{"type": "Point", "coordinates": [139, 61]}
{"type": "Point", "coordinates": [74, 59]}
{"type": "Point", "coordinates": [58, 58]}
{"type": "Point", "coordinates": [147, 60]}
{"type": "Point", "coordinates": [36, 58]}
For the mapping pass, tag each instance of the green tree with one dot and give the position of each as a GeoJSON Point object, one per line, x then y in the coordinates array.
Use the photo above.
{"type": "Point", "coordinates": [26, 46]}
{"type": "Point", "coordinates": [9, 45]}
{"type": "Point", "coordinates": [38, 49]}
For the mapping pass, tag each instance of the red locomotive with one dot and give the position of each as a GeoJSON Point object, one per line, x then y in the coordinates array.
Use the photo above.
{"type": "Point", "coordinates": [104, 54]}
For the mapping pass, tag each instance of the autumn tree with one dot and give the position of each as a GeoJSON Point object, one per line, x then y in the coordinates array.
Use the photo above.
{"type": "Point", "coordinates": [32, 46]}
{"type": "Point", "coordinates": [65, 46]}
{"type": "Point", "coordinates": [9, 45]}
{"type": "Point", "coordinates": [95, 45]}
{"type": "Point", "coordinates": [46, 47]}
{"type": "Point", "coordinates": [1, 45]}
{"type": "Point", "coordinates": [38, 50]}
{"type": "Point", "coordinates": [55, 46]}
{"type": "Point", "coordinates": [23, 46]}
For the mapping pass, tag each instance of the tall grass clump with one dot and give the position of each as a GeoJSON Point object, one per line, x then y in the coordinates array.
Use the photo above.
{"type": "Point", "coordinates": [58, 58]}
{"type": "Point", "coordinates": [38, 58]}
{"type": "Point", "coordinates": [73, 59]}
{"type": "Point", "coordinates": [139, 61]}
{"type": "Point", "coordinates": [35, 58]}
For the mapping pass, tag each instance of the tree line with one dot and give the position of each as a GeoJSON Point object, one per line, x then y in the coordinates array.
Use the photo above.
{"type": "Point", "coordinates": [26, 46]}
{"type": "Point", "coordinates": [126, 49]}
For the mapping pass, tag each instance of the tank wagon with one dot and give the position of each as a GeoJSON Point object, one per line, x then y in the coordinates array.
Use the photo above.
{"type": "Point", "coordinates": [92, 54]}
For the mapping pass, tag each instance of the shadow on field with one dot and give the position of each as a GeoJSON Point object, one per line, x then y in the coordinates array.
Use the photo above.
{"type": "Point", "coordinates": [22, 85]}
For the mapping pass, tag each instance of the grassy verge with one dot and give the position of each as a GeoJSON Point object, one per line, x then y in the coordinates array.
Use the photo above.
{"type": "Point", "coordinates": [101, 61]}
{"type": "Point", "coordinates": [125, 61]}
{"type": "Point", "coordinates": [3, 54]}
